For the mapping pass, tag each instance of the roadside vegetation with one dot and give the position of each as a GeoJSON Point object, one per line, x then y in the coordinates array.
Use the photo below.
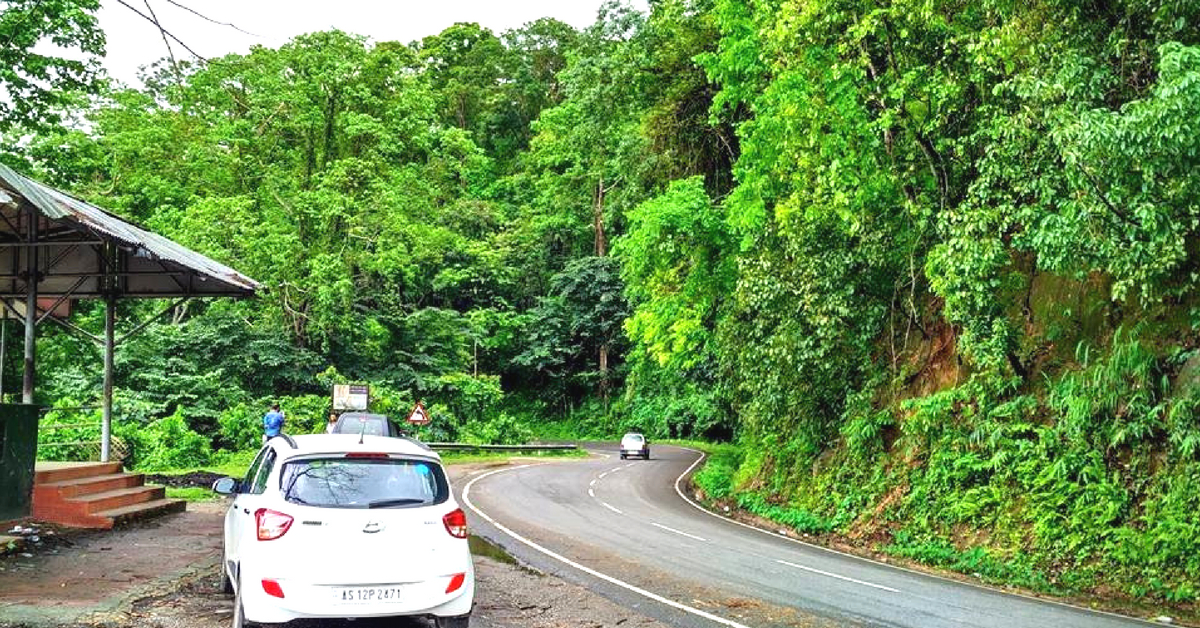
{"type": "Point", "coordinates": [927, 270]}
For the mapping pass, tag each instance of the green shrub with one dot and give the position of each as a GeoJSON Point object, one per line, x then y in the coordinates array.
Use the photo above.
{"type": "Point", "coordinates": [975, 561]}
{"type": "Point", "coordinates": [167, 443]}
{"type": "Point", "coordinates": [59, 443]}
{"type": "Point", "coordinates": [240, 427]}
{"type": "Point", "coordinates": [502, 429]}
{"type": "Point", "coordinates": [715, 478]}
{"type": "Point", "coordinates": [798, 519]}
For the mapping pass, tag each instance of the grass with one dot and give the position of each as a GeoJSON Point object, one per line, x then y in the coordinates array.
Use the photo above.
{"type": "Point", "coordinates": [976, 561]}
{"type": "Point", "coordinates": [230, 463]}
{"type": "Point", "coordinates": [698, 445]}
{"type": "Point", "coordinates": [489, 456]}
{"type": "Point", "coordinates": [191, 494]}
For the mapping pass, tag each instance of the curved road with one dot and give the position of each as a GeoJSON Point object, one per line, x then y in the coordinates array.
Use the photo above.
{"type": "Point", "coordinates": [622, 528]}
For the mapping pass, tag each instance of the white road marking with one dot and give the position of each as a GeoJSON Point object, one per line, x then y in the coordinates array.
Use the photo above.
{"type": "Point", "coordinates": [690, 536]}
{"type": "Point", "coordinates": [833, 575]}
{"type": "Point", "coordinates": [606, 505]}
{"type": "Point", "coordinates": [591, 493]}
{"type": "Point", "coordinates": [602, 475]}
{"type": "Point", "coordinates": [466, 495]}
{"type": "Point", "coordinates": [592, 483]}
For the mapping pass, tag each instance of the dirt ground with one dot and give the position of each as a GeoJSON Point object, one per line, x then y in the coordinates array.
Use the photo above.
{"type": "Point", "coordinates": [164, 573]}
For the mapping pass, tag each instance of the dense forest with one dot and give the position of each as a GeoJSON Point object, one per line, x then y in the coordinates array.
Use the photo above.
{"type": "Point", "coordinates": [931, 266]}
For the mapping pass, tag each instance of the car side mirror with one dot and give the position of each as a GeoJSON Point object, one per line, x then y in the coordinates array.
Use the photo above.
{"type": "Point", "coordinates": [225, 486]}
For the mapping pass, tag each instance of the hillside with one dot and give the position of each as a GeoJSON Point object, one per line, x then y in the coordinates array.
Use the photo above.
{"type": "Point", "coordinates": [930, 266]}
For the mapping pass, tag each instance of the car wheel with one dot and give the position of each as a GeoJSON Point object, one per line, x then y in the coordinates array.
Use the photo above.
{"type": "Point", "coordinates": [226, 583]}
{"type": "Point", "coordinates": [622, 456]}
{"type": "Point", "coordinates": [462, 621]}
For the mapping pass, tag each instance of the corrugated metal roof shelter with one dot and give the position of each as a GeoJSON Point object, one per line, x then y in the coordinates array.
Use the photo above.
{"type": "Point", "coordinates": [81, 251]}
{"type": "Point", "coordinates": [74, 233]}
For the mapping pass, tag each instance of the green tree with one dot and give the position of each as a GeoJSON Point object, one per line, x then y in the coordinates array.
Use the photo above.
{"type": "Point", "coordinates": [37, 86]}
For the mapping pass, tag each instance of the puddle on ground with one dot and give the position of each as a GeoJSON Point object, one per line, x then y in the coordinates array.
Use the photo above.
{"type": "Point", "coordinates": [483, 547]}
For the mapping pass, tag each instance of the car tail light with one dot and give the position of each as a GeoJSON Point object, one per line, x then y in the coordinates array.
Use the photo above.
{"type": "Point", "coordinates": [366, 454]}
{"type": "Point", "coordinates": [271, 524]}
{"type": "Point", "coordinates": [456, 523]}
{"type": "Point", "coordinates": [272, 588]}
{"type": "Point", "coordinates": [456, 583]}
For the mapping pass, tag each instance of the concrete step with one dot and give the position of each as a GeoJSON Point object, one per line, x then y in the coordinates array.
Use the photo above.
{"type": "Point", "coordinates": [109, 500]}
{"type": "Point", "coordinates": [47, 472]}
{"type": "Point", "coordinates": [94, 484]}
{"type": "Point", "coordinates": [144, 510]}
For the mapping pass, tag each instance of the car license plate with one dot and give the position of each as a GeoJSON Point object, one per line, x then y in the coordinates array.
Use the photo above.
{"type": "Point", "coordinates": [367, 595]}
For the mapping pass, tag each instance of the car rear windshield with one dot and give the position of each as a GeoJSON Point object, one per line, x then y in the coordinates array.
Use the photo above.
{"type": "Point", "coordinates": [363, 482]}
{"type": "Point", "coordinates": [374, 426]}
{"type": "Point", "coordinates": [634, 437]}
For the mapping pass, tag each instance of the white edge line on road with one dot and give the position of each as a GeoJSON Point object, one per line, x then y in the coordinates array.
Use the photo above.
{"type": "Point", "coordinates": [610, 507]}
{"type": "Point", "coordinates": [592, 483]}
{"type": "Point", "coordinates": [680, 532]}
{"type": "Point", "coordinates": [591, 493]}
{"type": "Point", "coordinates": [466, 495]}
{"type": "Point", "coordinates": [833, 575]}
{"type": "Point", "coordinates": [981, 587]}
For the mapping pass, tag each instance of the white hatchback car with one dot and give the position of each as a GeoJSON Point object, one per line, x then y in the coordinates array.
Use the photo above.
{"type": "Point", "coordinates": [635, 444]}
{"type": "Point", "coordinates": [346, 526]}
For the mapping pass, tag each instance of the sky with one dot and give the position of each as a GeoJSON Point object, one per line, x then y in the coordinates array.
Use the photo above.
{"type": "Point", "coordinates": [134, 41]}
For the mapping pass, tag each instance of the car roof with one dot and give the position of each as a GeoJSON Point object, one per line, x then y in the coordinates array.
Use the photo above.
{"type": "Point", "coordinates": [307, 444]}
{"type": "Point", "coordinates": [632, 434]}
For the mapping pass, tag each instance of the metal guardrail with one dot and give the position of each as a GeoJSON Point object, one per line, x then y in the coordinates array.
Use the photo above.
{"type": "Point", "coordinates": [469, 447]}
{"type": "Point", "coordinates": [71, 435]}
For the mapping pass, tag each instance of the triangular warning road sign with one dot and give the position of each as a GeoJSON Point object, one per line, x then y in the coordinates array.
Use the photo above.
{"type": "Point", "coordinates": [418, 416]}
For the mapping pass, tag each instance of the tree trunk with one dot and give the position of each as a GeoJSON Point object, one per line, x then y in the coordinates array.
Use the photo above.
{"type": "Point", "coordinates": [604, 375]}
{"type": "Point", "coordinates": [601, 251]}
{"type": "Point", "coordinates": [598, 220]}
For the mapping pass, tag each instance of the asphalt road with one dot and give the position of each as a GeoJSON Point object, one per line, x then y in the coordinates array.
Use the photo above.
{"type": "Point", "coordinates": [621, 528]}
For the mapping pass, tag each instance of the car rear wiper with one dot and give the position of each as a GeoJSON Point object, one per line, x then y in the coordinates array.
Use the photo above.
{"type": "Point", "coordinates": [394, 501]}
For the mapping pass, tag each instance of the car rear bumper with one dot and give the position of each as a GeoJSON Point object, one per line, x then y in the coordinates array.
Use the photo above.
{"type": "Point", "coordinates": [305, 600]}
{"type": "Point", "coordinates": [645, 453]}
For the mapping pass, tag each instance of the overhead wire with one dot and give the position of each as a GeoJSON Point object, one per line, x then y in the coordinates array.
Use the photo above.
{"type": "Point", "coordinates": [205, 17]}
{"type": "Point", "coordinates": [166, 42]}
{"type": "Point", "coordinates": [164, 31]}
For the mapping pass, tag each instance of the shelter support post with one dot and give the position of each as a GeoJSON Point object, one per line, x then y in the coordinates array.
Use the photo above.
{"type": "Point", "coordinates": [3, 344]}
{"type": "Point", "coordinates": [110, 316]}
{"type": "Point", "coordinates": [31, 285]}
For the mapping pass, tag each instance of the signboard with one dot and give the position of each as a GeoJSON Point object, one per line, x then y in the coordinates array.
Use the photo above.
{"type": "Point", "coordinates": [62, 310]}
{"type": "Point", "coordinates": [351, 396]}
{"type": "Point", "coordinates": [418, 416]}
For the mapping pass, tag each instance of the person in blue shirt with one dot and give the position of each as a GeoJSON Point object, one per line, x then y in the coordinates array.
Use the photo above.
{"type": "Point", "coordinates": [272, 423]}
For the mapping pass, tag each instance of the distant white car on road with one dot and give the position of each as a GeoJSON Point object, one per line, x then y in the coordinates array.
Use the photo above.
{"type": "Point", "coordinates": [634, 444]}
{"type": "Point", "coordinates": [346, 526]}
